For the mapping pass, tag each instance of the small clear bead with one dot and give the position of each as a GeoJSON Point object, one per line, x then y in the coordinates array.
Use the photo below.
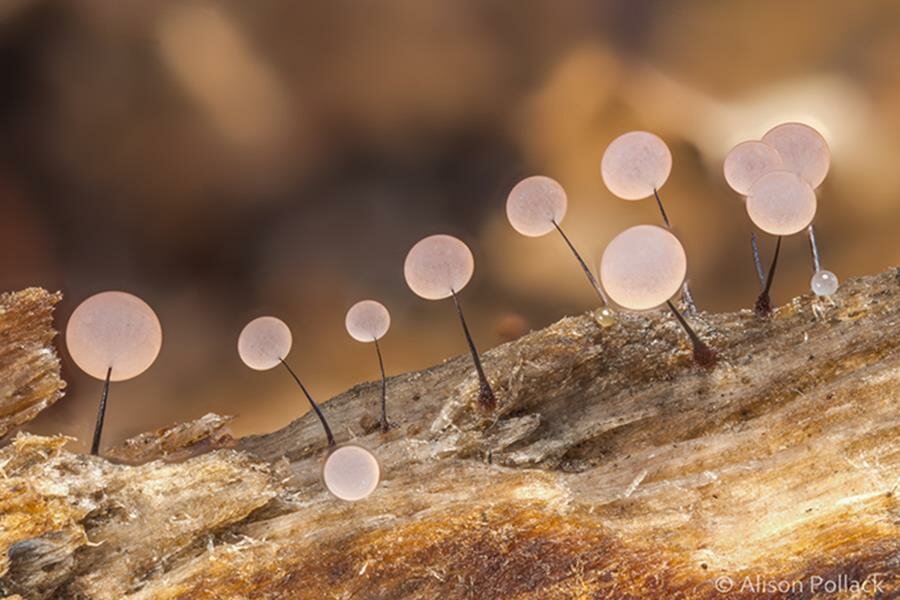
{"type": "Point", "coordinates": [605, 317]}
{"type": "Point", "coordinates": [824, 283]}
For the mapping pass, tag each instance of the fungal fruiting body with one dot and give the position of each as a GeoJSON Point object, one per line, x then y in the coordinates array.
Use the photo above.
{"type": "Point", "coordinates": [263, 344]}
{"type": "Point", "coordinates": [536, 206]}
{"type": "Point", "coordinates": [438, 267]}
{"type": "Point", "coordinates": [368, 321]}
{"type": "Point", "coordinates": [112, 336]}
{"type": "Point", "coordinates": [802, 149]}
{"type": "Point", "coordinates": [351, 472]}
{"type": "Point", "coordinates": [780, 203]}
{"type": "Point", "coordinates": [794, 148]}
{"type": "Point", "coordinates": [642, 268]}
{"type": "Point", "coordinates": [635, 166]}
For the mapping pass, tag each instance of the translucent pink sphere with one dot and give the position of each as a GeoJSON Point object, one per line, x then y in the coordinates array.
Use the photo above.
{"type": "Point", "coordinates": [264, 342]}
{"type": "Point", "coordinates": [113, 330]}
{"type": "Point", "coordinates": [438, 264]}
{"type": "Point", "coordinates": [803, 151]}
{"type": "Point", "coordinates": [747, 162]}
{"type": "Point", "coordinates": [351, 473]}
{"type": "Point", "coordinates": [367, 321]}
{"type": "Point", "coordinates": [781, 203]}
{"type": "Point", "coordinates": [534, 204]}
{"type": "Point", "coordinates": [635, 164]}
{"type": "Point", "coordinates": [643, 267]}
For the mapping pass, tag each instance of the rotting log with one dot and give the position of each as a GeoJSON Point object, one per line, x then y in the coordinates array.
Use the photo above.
{"type": "Point", "coordinates": [29, 366]}
{"type": "Point", "coordinates": [612, 467]}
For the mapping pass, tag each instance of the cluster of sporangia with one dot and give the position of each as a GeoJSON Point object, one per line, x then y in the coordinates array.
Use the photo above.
{"type": "Point", "coordinates": [115, 336]}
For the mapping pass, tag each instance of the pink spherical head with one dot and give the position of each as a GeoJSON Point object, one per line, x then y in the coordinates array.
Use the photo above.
{"type": "Point", "coordinates": [643, 267]}
{"type": "Point", "coordinates": [635, 164]}
{"type": "Point", "coordinates": [114, 330]}
{"type": "Point", "coordinates": [264, 343]}
{"type": "Point", "coordinates": [534, 204]}
{"type": "Point", "coordinates": [437, 266]}
{"type": "Point", "coordinates": [747, 162]}
{"type": "Point", "coordinates": [367, 321]}
{"type": "Point", "coordinates": [803, 151]}
{"type": "Point", "coordinates": [781, 203]}
{"type": "Point", "coordinates": [351, 473]}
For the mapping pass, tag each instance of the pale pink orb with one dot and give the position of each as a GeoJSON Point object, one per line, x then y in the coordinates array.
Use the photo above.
{"type": "Point", "coordinates": [803, 151]}
{"type": "Point", "coordinates": [635, 164]}
{"type": "Point", "coordinates": [264, 342]}
{"type": "Point", "coordinates": [437, 266]}
{"type": "Point", "coordinates": [534, 204]}
{"type": "Point", "coordinates": [781, 203]}
{"type": "Point", "coordinates": [367, 321]}
{"type": "Point", "coordinates": [351, 473]}
{"type": "Point", "coordinates": [113, 330]}
{"type": "Point", "coordinates": [643, 267]}
{"type": "Point", "coordinates": [747, 162]}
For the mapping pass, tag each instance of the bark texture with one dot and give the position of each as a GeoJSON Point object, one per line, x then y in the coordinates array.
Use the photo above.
{"type": "Point", "coordinates": [611, 467]}
{"type": "Point", "coordinates": [29, 366]}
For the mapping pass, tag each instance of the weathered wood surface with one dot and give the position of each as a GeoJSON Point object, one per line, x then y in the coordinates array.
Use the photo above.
{"type": "Point", "coordinates": [613, 467]}
{"type": "Point", "coordinates": [29, 366]}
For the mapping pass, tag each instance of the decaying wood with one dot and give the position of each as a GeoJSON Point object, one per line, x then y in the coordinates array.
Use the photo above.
{"type": "Point", "coordinates": [612, 467]}
{"type": "Point", "coordinates": [29, 366]}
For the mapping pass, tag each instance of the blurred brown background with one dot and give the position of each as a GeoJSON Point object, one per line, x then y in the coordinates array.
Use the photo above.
{"type": "Point", "coordinates": [229, 159]}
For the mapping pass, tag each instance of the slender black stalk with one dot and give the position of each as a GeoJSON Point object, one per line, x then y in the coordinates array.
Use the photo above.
{"type": "Point", "coordinates": [486, 395]}
{"type": "Point", "coordinates": [764, 302]}
{"type": "Point", "coordinates": [703, 354]}
{"type": "Point", "coordinates": [757, 261]}
{"type": "Point", "coordinates": [662, 210]}
{"type": "Point", "coordinates": [814, 249]}
{"type": "Point", "coordinates": [685, 288]}
{"type": "Point", "coordinates": [384, 422]}
{"type": "Point", "coordinates": [101, 414]}
{"type": "Point", "coordinates": [312, 403]}
{"type": "Point", "coordinates": [593, 280]}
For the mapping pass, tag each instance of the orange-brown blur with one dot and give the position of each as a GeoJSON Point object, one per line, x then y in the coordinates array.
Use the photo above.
{"type": "Point", "coordinates": [226, 160]}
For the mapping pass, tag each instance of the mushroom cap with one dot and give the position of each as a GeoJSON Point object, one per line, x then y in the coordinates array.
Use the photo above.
{"type": "Point", "coordinates": [643, 267]}
{"type": "Point", "coordinates": [367, 321]}
{"type": "Point", "coordinates": [534, 204]}
{"type": "Point", "coordinates": [264, 342]}
{"type": "Point", "coordinates": [635, 164]}
{"type": "Point", "coordinates": [114, 330]}
{"type": "Point", "coordinates": [438, 266]}
{"type": "Point", "coordinates": [351, 473]}
{"type": "Point", "coordinates": [781, 203]}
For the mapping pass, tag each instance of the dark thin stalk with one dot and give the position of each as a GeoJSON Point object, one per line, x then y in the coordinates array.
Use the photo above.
{"type": "Point", "coordinates": [486, 395]}
{"type": "Point", "coordinates": [764, 302]}
{"type": "Point", "coordinates": [757, 261]}
{"type": "Point", "coordinates": [685, 288]}
{"type": "Point", "coordinates": [312, 403]}
{"type": "Point", "coordinates": [593, 280]}
{"type": "Point", "coordinates": [101, 415]}
{"type": "Point", "coordinates": [814, 249]}
{"type": "Point", "coordinates": [384, 422]}
{"type": "Point", "coordinates": [703, 354]}
{"type": "Point", "coordinates": [662, 210]}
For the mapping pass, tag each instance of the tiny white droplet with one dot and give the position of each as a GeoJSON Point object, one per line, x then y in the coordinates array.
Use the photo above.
{"type": "Point", "coordinates": [824, 283]}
